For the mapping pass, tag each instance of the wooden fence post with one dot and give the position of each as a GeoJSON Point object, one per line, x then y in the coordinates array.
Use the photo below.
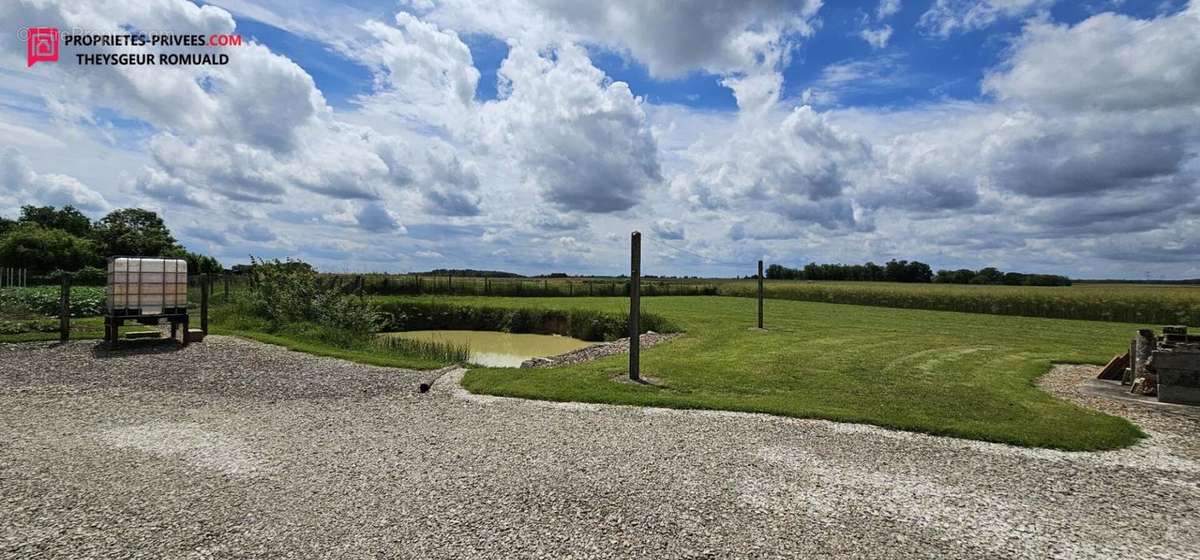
{"type": "Point", "coordinates": [760, 295]}
{"type": "Point", "coordinates": [64, 309]}
{"type": "Point", "coordinates": [204, 289]}
{"type": "Point", "coordinates": [635, 306]}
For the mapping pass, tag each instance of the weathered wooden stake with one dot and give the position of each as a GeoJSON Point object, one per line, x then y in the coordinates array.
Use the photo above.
{"type": "Point", "coordinates": [226, 278]}
{"type": "Point", "coordinates": [760, 295]}
{"type": "Point", "coordinates": [635, 306]}
{"type": "Point", "coordinates": [64, 309]}
{"type": "Point", "coordinates": [204, 289]}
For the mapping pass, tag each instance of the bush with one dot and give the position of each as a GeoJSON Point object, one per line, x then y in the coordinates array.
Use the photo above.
{"type": "Point", "coordinates": [283, 293]}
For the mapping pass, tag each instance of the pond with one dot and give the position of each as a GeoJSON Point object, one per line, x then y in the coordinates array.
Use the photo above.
{"type": "Point", "coordinates": [501, 349]}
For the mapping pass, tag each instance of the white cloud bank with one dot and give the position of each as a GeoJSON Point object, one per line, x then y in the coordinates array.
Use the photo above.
{"type": "Point", "coordinates": [1084, 139]}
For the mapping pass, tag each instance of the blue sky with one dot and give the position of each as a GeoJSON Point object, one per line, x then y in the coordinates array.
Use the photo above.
{"type": "Point", "coordinates": [530, 135]}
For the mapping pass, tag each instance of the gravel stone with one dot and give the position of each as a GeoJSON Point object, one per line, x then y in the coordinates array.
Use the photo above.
{"type": "Point", "coordinates": [235, 449]}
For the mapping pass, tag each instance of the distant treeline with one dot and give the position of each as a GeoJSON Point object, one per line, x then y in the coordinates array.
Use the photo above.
{"type": "Point", "coordinates": [991, 275]}
{"type": "Point", "coordinates": [893, 271]}
{"type": "Point", "coordinates": [469, 273]}
{"type": "Point", "coordinates": [911, 272]}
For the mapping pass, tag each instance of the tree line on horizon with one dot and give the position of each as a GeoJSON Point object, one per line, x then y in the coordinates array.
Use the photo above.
{"type": "Point", "coordinates": [911, 272]}
{"type": "Point", "coordinates": [46, 239]}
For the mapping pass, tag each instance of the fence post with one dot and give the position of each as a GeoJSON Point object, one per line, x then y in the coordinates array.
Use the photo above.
{"type": "Point", "coordinates": [204, 289]}
{"type": "Point", "coordinates": [225, 276]}
{"type": "Point", "coordinates": [64, 309]}
{"type": "Point", "coordinates": [635, 306]}
{"type": "Point", "coordinates": [760, 295]}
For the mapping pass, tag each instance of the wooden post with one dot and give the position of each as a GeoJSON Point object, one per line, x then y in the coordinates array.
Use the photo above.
{"type": "Point", "coordinates": [204, 289]}
{"type": "Point", "coordinates": [226, 278]}
{"type": "Point", "coordinates": [760, 295]}
{"type": "Point", "coordinates": [635, 306]}
{"type": "Point", "coordinates": [1127, 377]}
{"type": "Point", "coordinates": [64, 309]}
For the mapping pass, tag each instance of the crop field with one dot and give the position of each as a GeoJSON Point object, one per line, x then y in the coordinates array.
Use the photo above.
{"type": "Point", "coordinates": [1129, 303]}
{"type": "Point", "coordinates": [957, 374]}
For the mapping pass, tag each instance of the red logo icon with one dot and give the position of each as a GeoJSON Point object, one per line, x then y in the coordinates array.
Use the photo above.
{"type": "Point", "coordinates": [42, 45]}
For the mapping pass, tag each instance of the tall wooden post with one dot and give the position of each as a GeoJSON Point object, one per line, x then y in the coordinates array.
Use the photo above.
{"type": "Point", "coordinates": [64, 309]}
{"type": "Point", "coordinates": [204, 289]}
{"type": "Point", "coordinates": [760, 295]}
{"type": "Point", "coordinates": [635, 306]}
{"type": "Point", "coordinates": [225, 277]}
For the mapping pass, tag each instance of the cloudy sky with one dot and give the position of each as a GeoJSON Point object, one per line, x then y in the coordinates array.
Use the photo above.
{"type": "Point", "coordinates": [534, 135]}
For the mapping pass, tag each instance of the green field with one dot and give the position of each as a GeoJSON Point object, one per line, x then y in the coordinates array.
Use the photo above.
{"type": "Point", "coordinates": [957, 374]}
{"type": "Point", "coordinates": [1129, 303]}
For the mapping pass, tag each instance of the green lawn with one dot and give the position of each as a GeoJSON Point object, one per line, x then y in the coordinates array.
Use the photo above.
{"type": "Point", "coordinates": [947, 373]}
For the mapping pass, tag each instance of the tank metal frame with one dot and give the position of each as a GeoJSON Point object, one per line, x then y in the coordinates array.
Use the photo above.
{"type": "Point", "coordinates": [113, 321]}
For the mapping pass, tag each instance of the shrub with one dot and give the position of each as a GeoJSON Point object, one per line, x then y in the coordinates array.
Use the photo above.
{"type": "Point", "coordinates": [283, 293]}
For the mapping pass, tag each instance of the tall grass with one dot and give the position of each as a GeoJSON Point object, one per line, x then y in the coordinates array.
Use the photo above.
{"type": "Point", "coordinates": [435, 350]}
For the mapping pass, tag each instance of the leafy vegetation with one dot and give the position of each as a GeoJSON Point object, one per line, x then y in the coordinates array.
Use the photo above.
{"type": "Point", "coordinates": [283, 303]}
{"type": "Point", "coordinates": [45, 239]}
{"type": "Point", "coordinates": [42, 301]}
{"type": "Point", "coordinates": [956, 374]}
{"type": "Point", "coordinates": [892, 271]}
{"type": "Point", "coordinates": [584, 324]}
{"type": "Point", "coordinates": [995, 276]}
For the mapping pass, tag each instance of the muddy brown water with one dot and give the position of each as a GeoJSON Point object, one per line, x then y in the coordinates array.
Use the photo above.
{"type": "Point", "coordinates": [501, 349]}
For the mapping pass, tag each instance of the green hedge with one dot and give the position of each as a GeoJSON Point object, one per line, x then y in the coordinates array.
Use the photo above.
{"type": "Point", "coordinates": [578, 323]}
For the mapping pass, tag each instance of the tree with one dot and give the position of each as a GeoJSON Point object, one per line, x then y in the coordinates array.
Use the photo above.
{"type": "Point", "coordinates": [993, 275]}
{"type": "Point", "coordinates": [68, 219]}
{"type": "Point", "coordinates": [196, 263]}
{"type": "Point", "coordinates": [41, 249]}
{"type": "Point", "coordinates": [134, 232]}
{"type": "Point", "coordinates": [6, 225]}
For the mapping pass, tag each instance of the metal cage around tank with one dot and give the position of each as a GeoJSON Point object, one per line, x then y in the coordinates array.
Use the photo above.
{"type": "Point", "coordinates": [148, 291]}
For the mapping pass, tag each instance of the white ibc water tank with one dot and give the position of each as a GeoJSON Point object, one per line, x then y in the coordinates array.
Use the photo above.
{"type": "Point", "coordinates": [146, 286]}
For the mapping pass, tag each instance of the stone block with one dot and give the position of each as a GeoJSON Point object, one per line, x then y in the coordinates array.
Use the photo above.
{"type": "Point", "coordinates": [1178, 376]}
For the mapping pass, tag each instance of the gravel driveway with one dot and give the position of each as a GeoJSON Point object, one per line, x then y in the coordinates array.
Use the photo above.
{"type": "Point", "coordinates": [236, 449]}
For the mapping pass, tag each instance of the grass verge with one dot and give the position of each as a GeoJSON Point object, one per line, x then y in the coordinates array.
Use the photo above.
{"type": "Point", "coordinates": [86, 328]}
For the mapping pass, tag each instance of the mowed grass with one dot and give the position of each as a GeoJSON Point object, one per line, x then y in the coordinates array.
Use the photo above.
{"type": "Point", "coordinates": [955, 374]}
